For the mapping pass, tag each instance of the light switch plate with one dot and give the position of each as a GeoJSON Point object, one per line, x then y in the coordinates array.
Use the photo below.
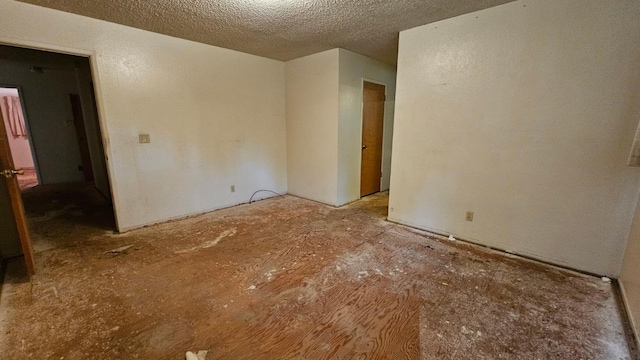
{"type": "Point", "coordinates": [144, 138]}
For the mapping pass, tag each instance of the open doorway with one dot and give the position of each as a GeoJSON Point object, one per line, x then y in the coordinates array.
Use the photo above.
{"type": "Point", "coordinates": [18, 137]}
{"type": "Point", "coordinates": [58, 161]}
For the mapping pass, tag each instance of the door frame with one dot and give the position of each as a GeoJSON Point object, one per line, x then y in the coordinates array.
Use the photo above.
{"type": "Point", "coordinates": [34, 154]}
{"type": "Point", "coordinates": [384, 122]}
{"type": "Point", "coordinates": [92, 56]}
{"type": "Point", "coordinates": [15, 198]}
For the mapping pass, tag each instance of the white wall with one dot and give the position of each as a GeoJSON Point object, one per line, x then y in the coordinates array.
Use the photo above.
{"type": "Point", "coordinates": [48, 111]}
{"type": "Point", "coordinates": [20, 148]}
{"type": "Point", "coordinates": [525, 114]}
{"type": "Point", "coordinates": [629, 278]}
{"type": "Point", "coordinates": [222, 123]}
{"type": "Point", "coordinates": [355, 68]}
{"type": "Point", "coordinates": [312, 126]}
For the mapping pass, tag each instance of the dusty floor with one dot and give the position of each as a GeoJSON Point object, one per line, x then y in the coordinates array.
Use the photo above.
{"type": "Point", "coordinates": [287, 278]}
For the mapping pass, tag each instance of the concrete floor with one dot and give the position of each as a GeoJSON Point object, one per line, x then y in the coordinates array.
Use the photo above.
{"type": "Point", "coordinates": [287, 278]}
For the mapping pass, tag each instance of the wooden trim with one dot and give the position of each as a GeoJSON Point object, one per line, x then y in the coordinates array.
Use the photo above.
{"type": "Point", "coordinates": [630, 330]}
{"type": "Point", "coordinates": [16, 199]}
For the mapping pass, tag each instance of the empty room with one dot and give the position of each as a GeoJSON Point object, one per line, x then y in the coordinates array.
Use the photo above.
{"type": "Point", "coordinates": [312, 179]}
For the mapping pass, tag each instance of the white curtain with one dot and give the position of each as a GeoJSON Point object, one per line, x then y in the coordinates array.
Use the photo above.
{"type": "Point", "coordinates": [12, 114]}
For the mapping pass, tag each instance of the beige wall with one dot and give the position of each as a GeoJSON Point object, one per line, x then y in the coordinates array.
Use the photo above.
{"type": "Point", "coordinates": [630, 277]}
{"type": "Point", "coordinates": [312, 126]}
{"type": "Point", "coordinates": [324, 123]}
{"type": "Point", "coordinates": [221, 124]}
{"type": "Point", "coordinates": [355, 68]}
{"type": "Point", "coordinates": [523, 113]}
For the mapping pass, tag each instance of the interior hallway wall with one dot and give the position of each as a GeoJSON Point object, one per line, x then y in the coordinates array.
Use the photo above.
{"type": "Point", "coordinates": [355, 68]}
{"type": "Point", "coordinates": [20, 148]}
{"type": "Point", "coordinates": [312, 126]}
{"type": "Point", "coordinates": [92, 128]}
{"type": "Point", "coordinates": [45, 97]}
{"type": "Point", "coordinates": [222, 123]}
{"type": "Point", "coordinates": [523, 113]}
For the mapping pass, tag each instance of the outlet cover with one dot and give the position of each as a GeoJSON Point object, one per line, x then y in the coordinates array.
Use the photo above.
{"type": "Point", "coordinates": [144, 138]}
{"type": "Point", "coordinates": [233, 188]}
{"type": "Point", "coordinates": [469, 216]}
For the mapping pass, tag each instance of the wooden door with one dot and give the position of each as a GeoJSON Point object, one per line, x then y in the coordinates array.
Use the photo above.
{"type": "Point", "coordinates": [372, 130]}
{"type": "Point", "coordinates": [81, 132]}
{"type": "Point", "coordinates": [13, 211]}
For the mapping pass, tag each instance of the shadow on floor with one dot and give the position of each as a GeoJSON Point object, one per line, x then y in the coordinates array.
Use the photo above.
{"type": "Point", "coordinates": [66, 214]}
{"type": "Point", "coordinates": [14, 272]}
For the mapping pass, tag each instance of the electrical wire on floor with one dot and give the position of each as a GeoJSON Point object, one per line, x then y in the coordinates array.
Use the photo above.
{"type": "Point", "coordinates": [273, 192]}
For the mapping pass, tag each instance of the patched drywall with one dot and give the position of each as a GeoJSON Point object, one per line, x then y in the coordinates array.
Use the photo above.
{"type": "Point", "coordinates": [222, 123]}
{"type": "Point", "coordinates": [312, 126]}
{"type": "Point", "coordinates": [525, 114]}
{"type": "Point", "coordinates": [354, 69]}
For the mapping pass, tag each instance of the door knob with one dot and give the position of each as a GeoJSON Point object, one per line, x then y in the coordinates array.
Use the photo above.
{"type": "Point", "coordinates": [364, 147]}
{"type": "Point", "coordinates": [10, 173]}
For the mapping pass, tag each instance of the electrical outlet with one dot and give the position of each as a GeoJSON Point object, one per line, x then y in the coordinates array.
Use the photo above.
{"type": "Point", "coordinates": [469, 216]}
{"type": "Point", "coordinates": [144, 138]}
{"type": "Point", "coordinates": [233, 188]}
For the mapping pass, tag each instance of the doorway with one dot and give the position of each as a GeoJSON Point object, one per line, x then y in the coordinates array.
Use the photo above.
{"type": "Point", "coordinates": [372, 134]}
{"type": "Point", "coordinates": [18, 137]}
{"type": "Point", "coordinates": [59, 125]}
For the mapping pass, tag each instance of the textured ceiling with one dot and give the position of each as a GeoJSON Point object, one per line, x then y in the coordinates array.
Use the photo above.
{"type": "Point", "coordinates": [278, 29]}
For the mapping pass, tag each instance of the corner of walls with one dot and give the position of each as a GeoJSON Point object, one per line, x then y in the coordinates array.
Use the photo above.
{"type": "Point", "coordinates": [354, 69]}
{"type": "Point", "coordinates": [629, 280]}
{"type": "Point", "coordinates": [312, 126]}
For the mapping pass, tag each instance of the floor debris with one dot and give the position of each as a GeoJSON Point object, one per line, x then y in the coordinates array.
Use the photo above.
{"type": "Point", "coordinates": [156, 305]}
{"type": "Point", "coordinates": [451, 238]}
{"type": "Point", "coordinates": [118, 251]}
{"type": "Point", "coordinates": [200, 355]}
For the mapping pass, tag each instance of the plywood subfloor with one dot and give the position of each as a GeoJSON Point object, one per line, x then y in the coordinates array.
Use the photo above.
{"type": "Point", "coordinates": [288, 278]}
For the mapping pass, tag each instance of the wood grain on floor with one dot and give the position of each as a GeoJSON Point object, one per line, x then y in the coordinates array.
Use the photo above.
{"type": "Point", "coordinates": [293, 279]}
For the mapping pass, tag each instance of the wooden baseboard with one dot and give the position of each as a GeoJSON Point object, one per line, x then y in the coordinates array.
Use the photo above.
{"type": "Point", "coordinates": [630, 326]}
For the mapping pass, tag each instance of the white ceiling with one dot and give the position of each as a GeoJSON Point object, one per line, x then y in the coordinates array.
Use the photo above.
{"type": "Point", "coordinates": [278, 29]}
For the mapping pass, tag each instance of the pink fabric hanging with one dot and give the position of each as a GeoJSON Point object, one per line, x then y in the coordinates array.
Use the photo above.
{"type": "Point", "coordinates": [12, 114]}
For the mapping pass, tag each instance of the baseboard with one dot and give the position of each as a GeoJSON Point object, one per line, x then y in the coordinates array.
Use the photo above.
{"type": "Point", "coordinates": [189, 215]}
{"type": "Point", "coordinates": [314, 200]}
{"type": "Point", "coordinates": [521, 254]}
{"type": "Point", "coordinates": [631, 325]}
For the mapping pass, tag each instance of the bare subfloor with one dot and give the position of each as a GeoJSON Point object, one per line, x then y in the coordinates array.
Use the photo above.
{"type": "Point", "coordinates": [293, 279]}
